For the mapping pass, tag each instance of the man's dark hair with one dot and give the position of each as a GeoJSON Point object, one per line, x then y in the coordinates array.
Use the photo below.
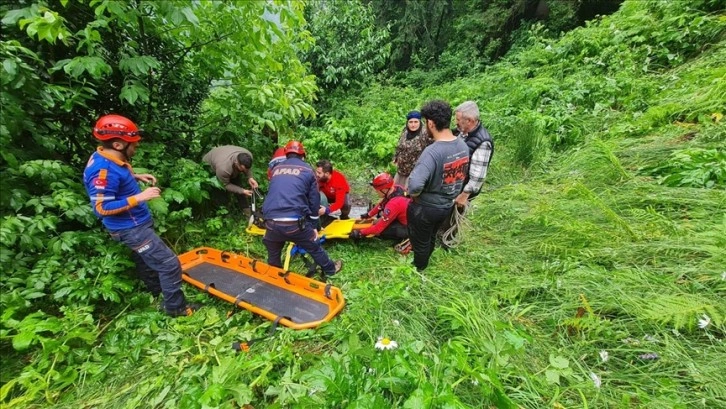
{"type": "Point", "coordinates": [244, 159]}
{"type": "Point", "coordinates": [438, 111]}
{"type": "Point", "coordinates": [293, 155]}
{"type": "Point", "coordinates": [108, 144]}
{"type": "Point", "coordinates": [326, 165]}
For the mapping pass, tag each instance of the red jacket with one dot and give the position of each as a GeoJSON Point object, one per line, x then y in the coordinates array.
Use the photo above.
{"type": "Point", "coordinates": [335, 190]}
{"type": "Point", "coordinates": [389, 210]}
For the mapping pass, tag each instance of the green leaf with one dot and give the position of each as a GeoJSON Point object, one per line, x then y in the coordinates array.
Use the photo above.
{"type": "Point", "coordinates": [23, 340]}
{"type": "Point", "coordinates": [133, 91]}
{"type": "Point", "coordinates": [95, 66]}
{"type": "Point", "coordinates": [420, 398]}
{"type": "Point", "coordinates": [552, 376]}
{"type": "Point", "coordinates": [5, 389]}
{"type": "Point", "coordinates": [177, 17]}
{"type": "Point", "coordinates": [191, 17]}
{"type": "Point", "coordinates": [12, 16]}
{"type": "Point", "coordinates": [140, 65]}
{"type": "Point", "coordinates": [559, 362]}
{"type": "Point", "coordinates": [10, 67]}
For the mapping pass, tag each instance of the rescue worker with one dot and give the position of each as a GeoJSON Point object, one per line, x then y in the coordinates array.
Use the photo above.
{"type": "Point", "coordinates": [228, 163]}
{"type": "Point", "coordinates": [277, 157]}
{"type": "Point", "coordinates": [119, 202]}
{"type": "Point", "coordinates": [389, 214]}
{"type": "Point", "coordinates": [334, 186]}
{"type": "Point", "coordinates": [291, 211]}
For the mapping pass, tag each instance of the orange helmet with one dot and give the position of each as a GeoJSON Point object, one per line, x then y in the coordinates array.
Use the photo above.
{"type": "Point", "coordinates": [116, 126]}
{"type": "Point", "coordinates": [382, 181]}
{"type": "Point", "coordinates": [295, 147]}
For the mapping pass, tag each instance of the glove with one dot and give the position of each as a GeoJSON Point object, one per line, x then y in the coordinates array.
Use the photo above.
{"type": "Point", "coordinates": [355, 235]}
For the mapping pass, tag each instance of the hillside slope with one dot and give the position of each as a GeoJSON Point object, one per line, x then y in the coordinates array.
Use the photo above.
{"type": "Point", "coordinates": [591, 272]}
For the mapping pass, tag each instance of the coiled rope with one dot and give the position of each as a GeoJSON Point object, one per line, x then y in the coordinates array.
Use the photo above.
{"type": "Point", "coordinates": [450, 238]}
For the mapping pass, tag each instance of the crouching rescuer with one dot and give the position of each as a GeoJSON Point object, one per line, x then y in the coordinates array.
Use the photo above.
{"type": "Point", "coordinates": [389, 215]}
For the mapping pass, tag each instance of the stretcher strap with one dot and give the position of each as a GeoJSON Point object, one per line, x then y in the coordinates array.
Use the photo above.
{"type": "Point", "coordinates": [208, 286]}
{"type": "Point", "coordinates": [284, 275]}
{"type": "Point", "coordinates": [327, 291]}
{"type": "Point", "coordinates": [237, 300]}
{"type": "Point", "coordinates": [245, 345]}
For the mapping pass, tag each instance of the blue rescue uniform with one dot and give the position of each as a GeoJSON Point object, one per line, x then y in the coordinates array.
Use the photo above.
{"type": "Point", "coordinates": [291, 210]}
{"type": "Point", "coordinates": [112, 188]}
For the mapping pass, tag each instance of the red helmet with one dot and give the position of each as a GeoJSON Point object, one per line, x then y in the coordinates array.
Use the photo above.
{"type": "Point", "coordinates": [382, 181]}
{"type": "Point", "coordinates": [295, 147]}
{"type": "Point", "coordinates": [116, 126]}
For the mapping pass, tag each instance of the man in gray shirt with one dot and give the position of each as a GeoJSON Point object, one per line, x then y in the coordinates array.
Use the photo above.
{"type": "Point", "coordinates": [436, 181]}
{"type": "Point", "coordinates": [228, 163]}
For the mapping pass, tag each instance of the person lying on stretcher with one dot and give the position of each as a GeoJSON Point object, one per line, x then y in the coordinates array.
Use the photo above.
{"type": "Point", "coordinates": [389, 215]}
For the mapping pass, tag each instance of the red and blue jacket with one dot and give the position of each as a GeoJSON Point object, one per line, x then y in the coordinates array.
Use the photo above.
{"type": "Point", "coordinates": [111, 185]}
{"type": "Point", "coordinates": [390, 209]}
{"type": "Point", "coordinates": [293, 192]}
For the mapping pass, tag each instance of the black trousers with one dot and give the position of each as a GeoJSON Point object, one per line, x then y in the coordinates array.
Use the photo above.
{"type": "Point", "coordinates": [395, 231]}
{"type": "Point", "coordinates": [423, 223]}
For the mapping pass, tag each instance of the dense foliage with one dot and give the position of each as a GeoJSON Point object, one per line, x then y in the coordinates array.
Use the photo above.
{"type": "Point", "coordinates": [357, 39]}
{"type": "Point", "coordinates": [349, 48]}
{"type": "Point", "coordinates": [591, 273]}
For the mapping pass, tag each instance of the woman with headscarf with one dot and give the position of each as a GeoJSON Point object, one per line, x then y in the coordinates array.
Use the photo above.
{"type": "Point", "coordinates": [414, 138]}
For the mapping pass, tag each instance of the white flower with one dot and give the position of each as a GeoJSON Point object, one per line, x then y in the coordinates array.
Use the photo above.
{"type": "Point", "coordinates": [396, 322]}
{"type": "Point", "coordinates": [604, 355]}
{"type": "Point", "coordinates": [386, 343]}
{"type": "Point", "coordinates": [650, 338]}
{"type": "Point", "coordinates": [704, 322]}
{"type": "Point", "coordinates": [596, 379]}
{"type": "Point", "coordinates": [723, 276]}
{"type": "Point", "coordinates": [475, 382]}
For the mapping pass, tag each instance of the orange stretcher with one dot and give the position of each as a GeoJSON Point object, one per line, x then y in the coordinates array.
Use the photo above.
{"type": "Point", "coordinates": [337, 229]}
{"type": "Point", "coordinates": [295, 301]}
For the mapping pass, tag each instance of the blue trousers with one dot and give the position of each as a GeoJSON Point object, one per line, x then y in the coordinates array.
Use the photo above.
{"type": "Point", "coordinates": [423, 223]}
{"type": "Point", "coordinates": [156, 264]}
{"type": "Point", "coordinates": [277, 233]}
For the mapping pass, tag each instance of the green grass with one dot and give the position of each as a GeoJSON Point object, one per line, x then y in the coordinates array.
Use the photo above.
{"type": "Point", "coordinates": [573, 250]}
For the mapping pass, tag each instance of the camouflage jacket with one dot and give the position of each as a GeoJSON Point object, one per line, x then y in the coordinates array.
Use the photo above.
{"type": "Point", "coordinates": [408, 151]}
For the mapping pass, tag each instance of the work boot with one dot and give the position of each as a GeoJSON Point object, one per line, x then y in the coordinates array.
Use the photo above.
{"type": "Point", "coordinates": [338, 267]}
{"type": "Point", "coordinates": [403, 247]}
{"type": "Point", "coordinates": [185, 311]}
